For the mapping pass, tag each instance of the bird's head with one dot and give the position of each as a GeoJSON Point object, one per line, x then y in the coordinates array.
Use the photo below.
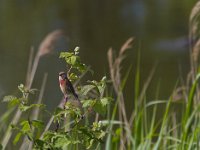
{"type": "Point", "coordinates": [62, 76]}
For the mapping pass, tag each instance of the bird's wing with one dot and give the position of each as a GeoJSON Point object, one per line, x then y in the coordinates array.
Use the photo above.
{"type": "Point", "coordinates": [71, 89]}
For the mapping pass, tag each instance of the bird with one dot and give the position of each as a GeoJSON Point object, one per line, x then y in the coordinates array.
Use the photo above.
{"type": "Point", "coordinates": [66, 86]}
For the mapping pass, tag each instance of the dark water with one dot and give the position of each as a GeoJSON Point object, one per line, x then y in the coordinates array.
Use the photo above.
{"type": "Point", "coordinates": [160, 28]}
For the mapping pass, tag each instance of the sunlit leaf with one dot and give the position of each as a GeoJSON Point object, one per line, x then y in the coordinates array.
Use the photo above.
{"type": "Point", "coordinates": [105, 101]}
{"type": "Point", "coordinates": [9, 98]}
{"type": "Point", "coordinates": [48, 135]}
{"type": "Point", "coordinates": [25, 107]}
{"type": "Point", "coordinates": [90, 144]}
{"type": "Point", "coordinates": [17, 137]}
{"type": "Point", "coordinates": [73, 60]}
{"type": "Point", "coordinates": [14, 102]}
{"type": "Point", "coordinates": [25, 126]}
{"type": "Point", "coordinates": [61, 142]}
{"type": "Point", "coordinates": [73, 77]}
{"type": "Point", "coordinates": [88, 103]}
{"type": "Point", "coordinates": [85, 89]}
{"type": "Point", "coordinates": [101, 134]}
{"type": "Point", "coordinates": [65, 54]}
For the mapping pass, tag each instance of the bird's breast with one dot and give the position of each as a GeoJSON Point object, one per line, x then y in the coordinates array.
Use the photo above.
{"type": "Point", "coordinates": [62, 82]}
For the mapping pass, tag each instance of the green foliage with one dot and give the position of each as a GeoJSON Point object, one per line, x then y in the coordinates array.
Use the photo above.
{"type": "Point", "coordinates": [84, 135]}
{"type": "Point", "coordinates": [72, 132]}
{"type": "Point", "coordinates": [99, 105]}
{"type": "Point", "coordinates": [76, 128]}
{"type": "Point", "coordinates": [73, 60]}
{"type": "Point", "coordinates": [27, 107]}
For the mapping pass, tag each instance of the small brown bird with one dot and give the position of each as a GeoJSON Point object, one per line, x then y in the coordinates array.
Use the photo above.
{"type": "Point", "coordinates": [66, 86]}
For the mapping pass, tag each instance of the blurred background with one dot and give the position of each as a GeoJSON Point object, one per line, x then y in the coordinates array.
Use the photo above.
{"type": "Point", "coordinates": [160, 28]}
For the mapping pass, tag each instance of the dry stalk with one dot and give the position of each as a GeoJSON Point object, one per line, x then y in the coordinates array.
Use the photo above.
{"type": "Point", "coordinates": [28, 75]}
{"type": "Point", "coordinates": [46, 47]}
{"type": "Point", "coordinates": [194, 38]}
{"type": "Point", "coordinates": [194, 45]}
{"type": "Point", "coordinates": [115, 73]}
{"type": "Point", "coordinates": [26, 144]}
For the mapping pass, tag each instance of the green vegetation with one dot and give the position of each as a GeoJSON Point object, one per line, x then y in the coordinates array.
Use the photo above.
{"type": "Point", "coordinates": [102, 121]}
{"type": "Point", "coordinates": [73, 133]}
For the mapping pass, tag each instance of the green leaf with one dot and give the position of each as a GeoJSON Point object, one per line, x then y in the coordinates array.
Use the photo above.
{"type": "Point", "coordinates": [116, 138]}
{"type": "Point", "coordinates": [40, 144]}
{"type": "Point", "coordinates": [90, 144]}
{"type": "Point", "coordinates": [48, 135]}
{"type": "Point", "coordinates": [101, 89]}
{"type": "Point", "coordinates": [61, 142]}
{"type": "Point", "coordinates": [25, 108]}
{"type": "Point", "coordinates": [73, 77]}
{"type": "Point", "coordinates": [29, 135]}
{"type": "Point", "coordinates": [14, 102]}
{"type": "Point", "coordinates": [88, 103]}
{"type": "Point", "coordinates": [101, 134]}
{"type": "Point", "coordinates": [85, 131]}
{"type": "Point", "coordinates": [17, 137]}
{"type": "Point", "coordinates": [25, 126]}
{"type": "Point", "coordinates": [9, 98]}
{"type": "Point", "coordinates": [85, 89]}
{"type": "Point", "coordinates": [73, 60]}
{"type": "Point", "coordinates": [65, 55]}
{"type": "Point", "coordinates": [82, 67]}
{"type": "Point", "coordinates": [37, 124]}
{"type": "Point", "coordinates": [14, 127]}
{"type": "Point", "coordinates": [99, 108]}
{"type": "Point", "coordinates": [58, 111]}
{"type": "Point", "coordinates": [105, 101]}
{"type": "Point", "coordinates": [100, 86]}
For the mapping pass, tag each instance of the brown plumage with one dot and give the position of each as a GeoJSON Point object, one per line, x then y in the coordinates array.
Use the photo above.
{"type": "Point", "coordinates": [66, 86]}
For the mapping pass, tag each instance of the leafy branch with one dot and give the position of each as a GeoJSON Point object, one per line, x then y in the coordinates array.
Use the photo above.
{"type": "Point", "coordinates": [82, 133]}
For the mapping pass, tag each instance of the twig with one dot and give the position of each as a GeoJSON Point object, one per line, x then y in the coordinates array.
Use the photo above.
{"type": "Point", "coordinates": [114, 66]}
{"type": "Point", "coordinates": [68, 72]}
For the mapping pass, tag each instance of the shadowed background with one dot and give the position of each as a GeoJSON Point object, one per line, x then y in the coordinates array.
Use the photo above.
{"type": "Point", "coordinates": [160, 28]}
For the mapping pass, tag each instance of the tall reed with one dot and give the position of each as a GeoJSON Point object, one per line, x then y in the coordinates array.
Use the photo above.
{"type": "Point", "coordinates": [46, 47]}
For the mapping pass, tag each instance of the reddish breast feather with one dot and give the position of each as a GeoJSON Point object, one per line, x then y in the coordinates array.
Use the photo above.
{"type": "Point", "coordinates": [62, 82]}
